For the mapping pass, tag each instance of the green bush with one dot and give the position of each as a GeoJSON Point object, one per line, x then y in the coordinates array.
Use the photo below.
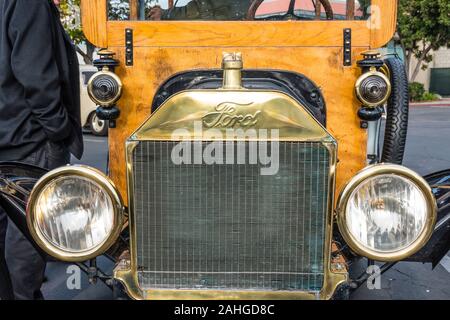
{"type": "Point", "coordinates": [416, 91]}
{"type": "Point", "coordinates": [429, 96]}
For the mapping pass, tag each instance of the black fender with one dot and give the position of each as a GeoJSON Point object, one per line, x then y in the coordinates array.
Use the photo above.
{"type": "Point", "coordinates": [439, 244]}
{"type": "Point", "coordinates": [16, 182]}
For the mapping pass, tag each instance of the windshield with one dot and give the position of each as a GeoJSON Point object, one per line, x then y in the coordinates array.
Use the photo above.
{"type": "Point", "coordinates": [235, 10]}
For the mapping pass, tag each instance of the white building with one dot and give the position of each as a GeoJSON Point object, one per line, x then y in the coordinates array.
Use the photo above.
{"type": "Point", "coordinates": [437, 77]}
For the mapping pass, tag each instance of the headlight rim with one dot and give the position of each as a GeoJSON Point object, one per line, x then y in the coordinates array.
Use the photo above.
{"type": "Point", "coordinates": [386, 169]}
{"type": "Point", "coordinates": [111, 101]}
{"type": "Point", "coordinates": [364, 77]}
{"type": "Point", "coordinates": [105, 183]}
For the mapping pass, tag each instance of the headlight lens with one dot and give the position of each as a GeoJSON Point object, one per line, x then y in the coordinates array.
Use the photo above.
{"type": "Point", "coordinates": [75, 213]}
{"type": "Point", "coordinates": [373, 89]}
{"type": "Point", "coordinates": [387, 213]}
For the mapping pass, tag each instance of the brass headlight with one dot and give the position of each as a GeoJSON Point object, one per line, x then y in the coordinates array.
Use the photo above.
{"type": "Point", "coordinates": [75, 213]}
{"type": "Point", "coordinates": [105, 88]}
{"type": "Point", "coordinates": [386, 213]}
{"type": "Point", "coordinates": [373, 88]}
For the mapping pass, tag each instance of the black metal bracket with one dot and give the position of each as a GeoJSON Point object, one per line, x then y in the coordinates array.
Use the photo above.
{"type": "Point", "coordinates": [355, 284]}
{"type": "Point", "coordinates": [110, 114]}
{"type": "Point", "coordinates": [94, 274]}
{"type": "Point", "coordinates": [106, 60]}
{"type": "Point", "coordinates": [347, 47]}
{"type": "Point", "coordinates": [129, 47]}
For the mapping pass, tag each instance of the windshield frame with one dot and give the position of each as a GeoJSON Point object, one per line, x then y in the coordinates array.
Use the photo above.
{"type": "Point", "coordinates": [373, 33]}
{"type": "Point", "coordinates": [236, 10]}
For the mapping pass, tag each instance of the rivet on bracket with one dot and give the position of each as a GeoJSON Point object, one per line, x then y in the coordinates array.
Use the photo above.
{"type": "Point", "coordinates": [128, 47]}
{"type": "Point", "coordinates": [347, 47]}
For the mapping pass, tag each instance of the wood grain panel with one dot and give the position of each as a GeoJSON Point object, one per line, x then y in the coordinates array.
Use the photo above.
{"type": "Point", "coordinates": [93, 20]}
{"type": "Point", "coordinates": [242, 34]}
{"type": "Point", "coordinates": [376, 32]}
{"type": "Point", "coordinates": [383, 22]}
{"type": "Point", "coordinates": [134, 9]}
{"type": "Point", "coordinates": [350, 9]}
{"type": "Point", "coordinates": [322, 65]}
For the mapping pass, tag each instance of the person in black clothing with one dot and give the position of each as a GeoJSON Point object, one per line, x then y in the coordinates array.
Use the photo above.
{"type": "Point", "coordinates": [39, 115]}
{"type": "Point", "coordinates": [6, 292]}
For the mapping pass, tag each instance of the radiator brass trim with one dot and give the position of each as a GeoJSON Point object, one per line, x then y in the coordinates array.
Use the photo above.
{"type": "Point", "coordinates": [222, 110]}
{"type": "Point", "coordinates": [126, 272]}
{"type": "Point", "coordinates": [276, 111]}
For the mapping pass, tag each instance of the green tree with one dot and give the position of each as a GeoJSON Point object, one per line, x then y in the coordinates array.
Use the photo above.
{"type": "Point", "coordinates": [423, 26]}
{"type": "Point", "coordinates": [119, 10]}
{"type": "Point", "coordinates": [70, 18]}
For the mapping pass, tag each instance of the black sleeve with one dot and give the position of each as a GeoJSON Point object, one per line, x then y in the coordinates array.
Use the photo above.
{"type": "Point", "coordinates": [34, 65]}
{"type": "Point", "coordinates": [5, 283]}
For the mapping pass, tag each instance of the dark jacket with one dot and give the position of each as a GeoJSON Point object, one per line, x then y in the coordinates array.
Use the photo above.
{"type": "Point", "coordinates": [39, 80]}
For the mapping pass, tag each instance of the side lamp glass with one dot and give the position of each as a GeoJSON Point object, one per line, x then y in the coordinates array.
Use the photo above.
{"type": "Point", "coordinates": [373, 89]}
{"type": "Point", "coordinates": [105, 88]}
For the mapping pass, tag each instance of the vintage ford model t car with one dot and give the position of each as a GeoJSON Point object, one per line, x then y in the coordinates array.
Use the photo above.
{"type": "Point", "coordinates": [260, 182]}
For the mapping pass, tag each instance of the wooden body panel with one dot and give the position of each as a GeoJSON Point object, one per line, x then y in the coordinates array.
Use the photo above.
{"type": "Point", "coordinates": [238, 33]}
{"type": "Point", "coordinates": [157, 64]}
{"type": "Point", "coordinates": [383, 22]}
{"type": "Point", "coordinates": [375, 32]}
{"type": "Point", "coordinates": [313, 48]}
{"type": "Point", "coordinates": [93, 20]}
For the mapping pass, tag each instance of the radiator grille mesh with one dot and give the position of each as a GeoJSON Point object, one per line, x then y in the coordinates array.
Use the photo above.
{"type": "Point", "coordinates": [227, 226]}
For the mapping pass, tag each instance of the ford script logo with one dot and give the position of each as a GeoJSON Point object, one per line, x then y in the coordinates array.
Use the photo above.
{"type": "Point", "coordinates": [226, 116]}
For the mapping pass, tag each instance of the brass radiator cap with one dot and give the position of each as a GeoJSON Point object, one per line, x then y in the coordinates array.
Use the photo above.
{"type": "Point", "coordinates": [232, 107]}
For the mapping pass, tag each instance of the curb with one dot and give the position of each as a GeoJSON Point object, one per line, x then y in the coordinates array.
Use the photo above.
{"type": "Point", "coordinates": [441, 104]}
